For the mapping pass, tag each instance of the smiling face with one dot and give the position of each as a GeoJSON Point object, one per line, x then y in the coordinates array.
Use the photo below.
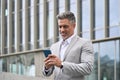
{"type": "Point", "coordinates": [66, 28]}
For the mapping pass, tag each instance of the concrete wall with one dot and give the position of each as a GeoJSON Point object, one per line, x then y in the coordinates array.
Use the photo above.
{"type": "Point", "coordinates": [39, 62]}
{"type": "Point", "coordinates": [10, 76]}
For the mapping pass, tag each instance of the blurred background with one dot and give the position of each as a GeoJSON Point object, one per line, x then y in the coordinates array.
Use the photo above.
{"type": "Point", "coordinates": [29, 26]}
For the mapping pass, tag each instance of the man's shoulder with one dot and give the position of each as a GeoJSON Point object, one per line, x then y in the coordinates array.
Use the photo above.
{"type": "Point", "coordinates": [82, 40]}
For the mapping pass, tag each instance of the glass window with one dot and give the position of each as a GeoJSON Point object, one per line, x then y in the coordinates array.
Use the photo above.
{"type": "Point", "coordinates": [4, 65]}
{"type": "Point", "coordinates": [86, 19]}
{"type": "Point", "coordinates": [41, 25]}
{"type": "Point", "coordinates": [30, 66]}
{"type": "Point", "coordinates": [107, 51]}
{"type": "Point", "coordinates": [13, 64]}
{"type": "Point", "coordinates": [61, 6]}
{"type": "Point", "coordinates": [21, 64]}
{"type": "Point", "coordinates": [96, 54]}
{"type": "Point", "coordinates": [114, 31]}
{"type": "Point", "coordinates": [73, 8]}
{"type": "Point", "coordinates": [50, 26]}
{"type": "Point", "coordinates": [99, 13]}
{"type": "Point", "coordinates": [94, 74]}
{"type": "Point", "coordinates": [99, 19]}
{"type": "Point", "coordinates": [114, 12]}
{"type": "Point", "coordinates": [114, 18]}
{"type": "Point", "coordinates": [99, 34]}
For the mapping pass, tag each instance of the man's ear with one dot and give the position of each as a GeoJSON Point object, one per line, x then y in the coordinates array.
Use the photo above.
{"type": "Point", "coordinates": [74, 25]}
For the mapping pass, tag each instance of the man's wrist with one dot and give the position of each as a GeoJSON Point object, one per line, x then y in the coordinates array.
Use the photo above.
{"type": "Point", "coordinates": [61, 65]}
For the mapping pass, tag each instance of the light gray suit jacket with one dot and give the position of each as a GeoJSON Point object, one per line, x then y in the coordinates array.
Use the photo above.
{"type": "Point", "coordinates": [78, 60]}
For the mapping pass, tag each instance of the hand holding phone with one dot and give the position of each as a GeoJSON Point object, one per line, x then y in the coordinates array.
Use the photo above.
{"type": "Point", "coordinates": [47, 52]}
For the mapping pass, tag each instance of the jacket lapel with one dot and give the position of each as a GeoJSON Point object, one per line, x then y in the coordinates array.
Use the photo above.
{"type": "Point", "coordinates": [70, 46]}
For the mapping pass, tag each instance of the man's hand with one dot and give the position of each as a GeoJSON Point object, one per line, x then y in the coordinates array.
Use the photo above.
{"type": "Point", "coordinates": [52, 60]}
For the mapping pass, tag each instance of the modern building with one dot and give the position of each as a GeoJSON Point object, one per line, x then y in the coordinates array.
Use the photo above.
{"type": "Point", "coordinates": [29, 26]}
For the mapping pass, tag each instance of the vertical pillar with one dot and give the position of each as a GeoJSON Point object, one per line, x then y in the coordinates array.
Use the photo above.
{"type": "Point", "coordinates": [2, 26]}
{"type": "Point", "coordinates": [92, 19]}
{"type": "Point", "coordinates": [25, 24]}
{"type": "Point", "coordinates": [45, 23]}
{"type": "Point", "coordinates": [79, 17]}
{"type": "Point", "coordinates": [55, 21]}
{"type": "Point", "coordinates": [35, 25]}
{"type": "Point", "coordinates": [67, 5]}
{"type": "Point", "coordinates": [106, 18]}
{"type": "Point", "coordinates": [17, 25]}
{"type": "Point", "coordinates": [10, 28]}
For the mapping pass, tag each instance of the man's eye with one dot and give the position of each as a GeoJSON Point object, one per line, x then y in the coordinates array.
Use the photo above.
{"type": "Point", "coordinates": [65, 26]}
{"type": "Point", "coordinates": [60, 26]}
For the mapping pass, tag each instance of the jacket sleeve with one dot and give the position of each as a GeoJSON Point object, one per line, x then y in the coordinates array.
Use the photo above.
{"type": "Point", "coordinates": [86, 62]}
{"type": "Point", "coordinates": [48, 72]}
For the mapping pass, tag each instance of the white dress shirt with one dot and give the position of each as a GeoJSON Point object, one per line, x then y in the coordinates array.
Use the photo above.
{"type": "Point", "coordinates": [64, 46]}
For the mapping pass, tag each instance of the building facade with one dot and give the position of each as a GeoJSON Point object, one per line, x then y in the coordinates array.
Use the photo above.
{"type": "Point", "coordinates": [29, 26]}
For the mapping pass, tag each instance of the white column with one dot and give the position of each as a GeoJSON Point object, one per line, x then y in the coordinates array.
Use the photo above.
{"type": "Point", "coordinates": [17, 25]}
{"type": "Point", "coordinates": [25, 24]}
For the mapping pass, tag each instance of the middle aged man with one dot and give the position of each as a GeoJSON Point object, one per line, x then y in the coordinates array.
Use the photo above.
{"type": "Point", "coordinates": [72, 57]}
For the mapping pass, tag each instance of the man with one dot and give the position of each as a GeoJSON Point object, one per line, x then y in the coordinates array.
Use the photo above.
{"type": "Point", "coordinates": [72, 58]}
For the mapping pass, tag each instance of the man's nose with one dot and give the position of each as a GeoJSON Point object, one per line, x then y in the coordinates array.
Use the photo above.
{"type": "Point", "coordinates": [62, 29]}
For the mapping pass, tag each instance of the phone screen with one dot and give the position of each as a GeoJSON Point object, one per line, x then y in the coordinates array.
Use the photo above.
{"type": "Point", "coordinates": [47, 52]}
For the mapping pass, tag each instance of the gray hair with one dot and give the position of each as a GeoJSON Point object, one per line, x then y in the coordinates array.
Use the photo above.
{"type": "Point", "coordinates": [67, 15]}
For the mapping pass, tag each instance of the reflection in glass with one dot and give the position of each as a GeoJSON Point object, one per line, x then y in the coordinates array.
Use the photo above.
{"type": "Point", "coordinates": [94, 74]}
{"type": "Point", "coordinates": [30, 66]}
{"type": "Point", "coordinates": [96, 54]}
{"type": "Point", "coordinates": [13, 64]}
{"type": "Point", "coordinates": [4, 65]}
{"type": "Point", "coordinates": [21, 64]}
{"type": "Point", "coordinates": [107, 51]}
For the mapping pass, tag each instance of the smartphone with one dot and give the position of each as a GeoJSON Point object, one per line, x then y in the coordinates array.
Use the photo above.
{"type": "Point", "coordinates": [46, 52]}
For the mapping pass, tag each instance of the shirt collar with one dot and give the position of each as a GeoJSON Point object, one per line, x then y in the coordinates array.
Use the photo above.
{"type": "Point", "coordinates": [69, 39]}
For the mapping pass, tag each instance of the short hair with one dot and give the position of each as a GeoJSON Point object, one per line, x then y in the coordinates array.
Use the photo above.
{"type": "Point", "coordinates": [67, 15]}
